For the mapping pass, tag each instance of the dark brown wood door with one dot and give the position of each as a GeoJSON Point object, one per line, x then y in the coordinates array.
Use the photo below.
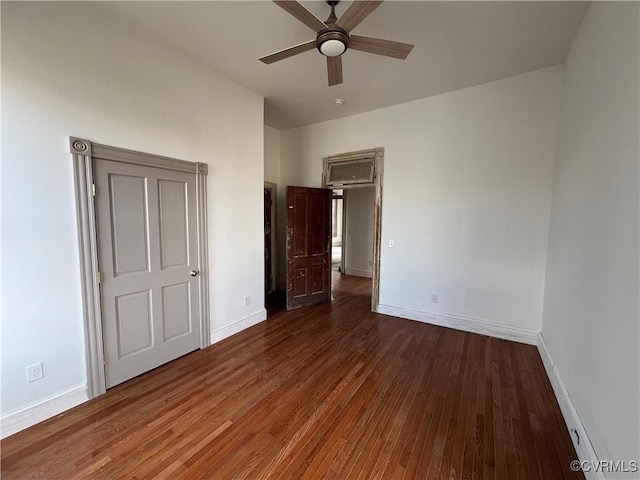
{"type": "Point", "coordinates": [308, 246]}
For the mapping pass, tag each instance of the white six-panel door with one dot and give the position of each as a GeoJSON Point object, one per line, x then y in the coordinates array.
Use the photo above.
{"type": "Point", "coordinates": [147, 246]}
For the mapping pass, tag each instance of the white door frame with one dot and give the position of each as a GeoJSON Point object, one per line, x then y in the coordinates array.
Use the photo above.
{"type": "Point", "coordinates": [84, 153]}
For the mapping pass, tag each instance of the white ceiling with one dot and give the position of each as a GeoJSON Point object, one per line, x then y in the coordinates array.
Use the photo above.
{"type": "Point", "coordinates": [457, 45]}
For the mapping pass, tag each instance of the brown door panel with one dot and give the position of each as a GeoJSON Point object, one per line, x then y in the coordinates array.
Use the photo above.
{"type": "Point", "coordinates": [308, 246]}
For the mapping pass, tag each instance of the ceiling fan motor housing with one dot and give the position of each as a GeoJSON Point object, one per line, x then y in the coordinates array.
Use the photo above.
{"type": "Point", "coordinates": [332, 35]}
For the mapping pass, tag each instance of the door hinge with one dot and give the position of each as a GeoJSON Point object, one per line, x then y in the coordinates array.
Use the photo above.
{"type": "Point", "coordinates": [104, 360]}
{"type": "Point", "coordinates": [93, 189]}
{"type": "Point", "coordinates": [99, 277]}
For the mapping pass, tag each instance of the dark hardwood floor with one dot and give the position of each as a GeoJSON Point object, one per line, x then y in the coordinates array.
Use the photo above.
{"type": "Point", "coordinates": [332, 391]}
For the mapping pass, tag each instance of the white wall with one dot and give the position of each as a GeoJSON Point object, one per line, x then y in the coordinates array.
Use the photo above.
{"type": "Point", "coordinates": [467, 195]}
{"type": "Point", "coordinates": [359, 222]}
{"type": "Point", "coordinates": [591, 314]}
{"type": "Point", "coordinates": [67, 70]}
{"type": "Point", "coordinates": [271, 155]}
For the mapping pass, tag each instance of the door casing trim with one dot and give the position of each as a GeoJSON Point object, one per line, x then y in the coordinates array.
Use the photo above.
{"type": "Point", "coordinates": [83, 153]}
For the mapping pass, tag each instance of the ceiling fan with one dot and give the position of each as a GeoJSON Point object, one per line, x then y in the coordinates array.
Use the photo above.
{"type": "Point", "coordinates": [334, 37]}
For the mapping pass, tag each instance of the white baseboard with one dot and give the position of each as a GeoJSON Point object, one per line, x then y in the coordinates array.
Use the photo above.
{"type": "Point", "coordinates": [358, 273]}
{"type": "Point", "coordinates": [584, 449]}
{"type": "Point", "coordinates": [48, 407]}
{"type": "Point", "coordinates": [467, 324]}
{"type": "Point", "coordinates": [221, 333]}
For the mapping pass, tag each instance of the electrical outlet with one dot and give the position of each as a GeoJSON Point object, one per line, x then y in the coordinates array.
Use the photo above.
{"type": "Point", "coordinates": [247, 301]}
{"type": "Point", "coordinates": [392, 244]}
{"type": "Point", "coordinates": [34, 372]}
{"type": "Point", "coordinates": [434, 298]}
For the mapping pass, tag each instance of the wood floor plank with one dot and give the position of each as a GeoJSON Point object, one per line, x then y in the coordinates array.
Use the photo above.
{"type": "Point", "coordinates": [332, 391]}
{"type": "Point", "coordinates": [419, 461]}
{"type": "Point", "coordinates": [411, 415]}
{"type": "Point", "coordinates": [452, 469]}
{"type": "Point", "coordinates": [323, 458]}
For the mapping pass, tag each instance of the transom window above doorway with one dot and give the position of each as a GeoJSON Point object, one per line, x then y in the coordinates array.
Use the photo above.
{"type": "Point", "coordinates": [351, 172]}
{"type": "Point", "coordinates": [353, 169]}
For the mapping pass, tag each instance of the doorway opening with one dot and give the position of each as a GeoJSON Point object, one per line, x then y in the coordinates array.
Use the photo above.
{"type": "Point", "coordinates": [269, 238]}
{"type": "Point", "coordinates": [352, 247]}
{"type": "Point", "coordinates": [355, 179]}
{"type": "Point", "coordinates": [312, 230]}
{"type": "Point", "coordinates": [273, 298]}
{"type": "Point", "coordinates": [337, 231]}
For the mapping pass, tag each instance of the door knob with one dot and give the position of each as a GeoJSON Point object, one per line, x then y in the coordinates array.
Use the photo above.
{"type": "Point", "coordinates": [195, 273]}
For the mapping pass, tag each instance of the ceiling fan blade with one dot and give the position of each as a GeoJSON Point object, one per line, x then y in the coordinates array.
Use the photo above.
{"type": "Point", "coordinates": [288, 52]}
{"type": "Point", "coordinates": [334, 70]}
{"type": "Point", "coordinates": [302, 14]}
{"type": "Point", "coordinates": [356, 13]}
{"type": "Point", "coordinates": [379, 46]}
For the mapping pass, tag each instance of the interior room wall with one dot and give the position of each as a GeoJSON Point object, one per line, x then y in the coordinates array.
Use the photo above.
{"type": "Point", "coordinates": [591, 308]}
{"type": "Point", "coordinates": [466, 196]}
{"type": "Point", "coordinates": [67, 70]}
{"type": "Point", "coordinates": [271, 155]}
{"type": "Point", "coordinates": [359, 223]}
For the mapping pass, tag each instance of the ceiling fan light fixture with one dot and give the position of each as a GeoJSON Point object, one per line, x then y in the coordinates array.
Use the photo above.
{"type": "Point", "coordinates": [332, 43]}
{"type": "Point", "coordinates": [332, 48]}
